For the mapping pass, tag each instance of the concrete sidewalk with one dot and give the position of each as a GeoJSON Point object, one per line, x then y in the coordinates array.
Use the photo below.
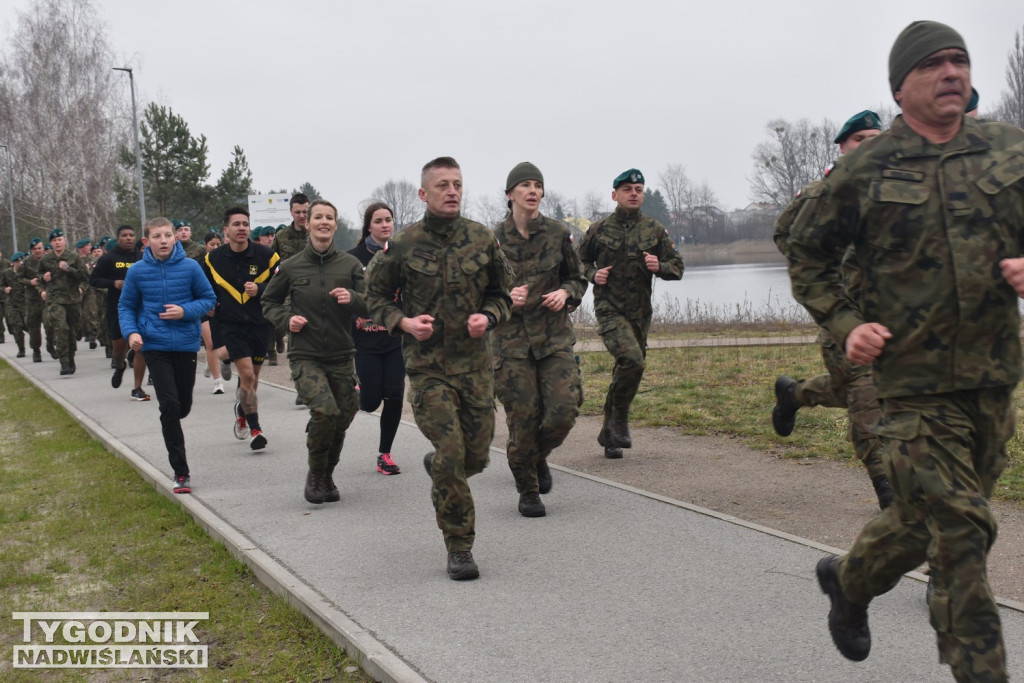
{"type": "Point", "coordinates": [612, 585]}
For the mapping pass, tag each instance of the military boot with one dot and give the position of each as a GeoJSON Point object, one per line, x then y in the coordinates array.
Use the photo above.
{"type": "Point", "coordinates": [786, 405]}
{"type": "Point", "coordinates": [530, 505]}
{"type": "Point", "coordinates": [428, 463]}
{"type": "Point", "coordinates": [52, 350]}
{"type": "Point", "coordinates": [543, 476]}
{"type": "Point", "coordinates": [21, 351]}
{"type": "Point", "coordinates": [619, 432]}
{"type": "Point", "coordinates": [847, 622]}
{"type": "Point", "coordinates": [612, 452]}
{"type": "Point", "coordinates": [461, 566]}
{"type": "Point", "coordinates": [66, 369]}
{"type": "Point", "coordinates": [315, 492]}
{"type": "Point", "coordinates": [331, 493]}
{"type": "Point", "coordinates": [37, 356]}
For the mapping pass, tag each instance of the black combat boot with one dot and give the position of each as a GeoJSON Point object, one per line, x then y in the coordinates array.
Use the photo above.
{"type": "Point", "coordinates": [543, 476]}
{"type": "Point", "coordinates": [883, 489]}
{"type": "Point", "coordinates": [52, 350]}
{"type": "Point", "coordinates": [315, 486]}
{"type": "Point", "coordinates": [21, 351]}
{"type": "Point", "coordinates": [784, 413]}
{"type": "Point", "coordinates": [428, 463]}
{"type": "Point", "coordinates": [612, 452]}
{"type": "Point", "coordinates": [461, 566]}
{"type": "Point", "coordinates": [847, 622]}
{"type": "Point", "coordinates": [619, 432]}
{"type": "Point", "coordinates": [66, 369]}
{"type": "Point", "coordinates": [530, 505]}
{"type": "Point", "coordinates": [331, 493]}
{"type": "Point", "coordinates": [37, 356]}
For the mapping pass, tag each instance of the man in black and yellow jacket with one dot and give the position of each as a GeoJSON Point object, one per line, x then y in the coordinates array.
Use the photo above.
{"type": "Point", "coordinates": [239, 271]}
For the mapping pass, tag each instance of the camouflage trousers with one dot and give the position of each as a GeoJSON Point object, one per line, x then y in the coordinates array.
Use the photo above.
{"type": "Point", "coordinates": [33, 325]}
{"type": "Point", "coordinates": [848, 386]}
{"type": "Point", "coordinates": [541, 399]}
{"type": "Point", "coordinates": [103, 333]}
{"type": "Point", "coordinates": [456, 414]}
{"type": "Point", "coordinates": [626, 340]}
{"type": "Point", "coordinates": [329, 391]}
{"type": "Point", "coordinates": [90, 315]}
{"type": "Point", "coordinates": [65, 321]}
{"type": "Point", "coordinates": [16, 325]}
{"type": "Point", "coordinates": [943, 456]}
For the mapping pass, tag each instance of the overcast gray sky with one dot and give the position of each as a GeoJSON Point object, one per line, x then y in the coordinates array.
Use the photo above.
{"type": "Point", "coordinates": [349, 94]}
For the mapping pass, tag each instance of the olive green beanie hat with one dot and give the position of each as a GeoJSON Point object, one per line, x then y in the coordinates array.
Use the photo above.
{"type": "Point", "coordinates": [914, 43]}
{"type": "Point", "coordinates": [524, 170]}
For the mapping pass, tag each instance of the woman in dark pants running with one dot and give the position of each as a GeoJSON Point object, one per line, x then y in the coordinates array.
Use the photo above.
{"type": "Point", "coordinates": [379, 362]}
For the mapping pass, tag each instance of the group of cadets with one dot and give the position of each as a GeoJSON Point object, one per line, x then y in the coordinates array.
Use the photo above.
{"type": "Point", "coordinates": [879, 253]}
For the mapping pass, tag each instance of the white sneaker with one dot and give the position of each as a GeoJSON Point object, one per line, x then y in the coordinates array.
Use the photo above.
{"type": "Point", "coordinates": [218, 386]}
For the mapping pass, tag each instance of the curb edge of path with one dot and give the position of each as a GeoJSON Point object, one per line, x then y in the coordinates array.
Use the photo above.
{"type": "Point", "coordinates": [372, 656]}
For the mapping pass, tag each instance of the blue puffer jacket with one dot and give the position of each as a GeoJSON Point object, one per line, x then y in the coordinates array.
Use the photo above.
{"type": "Point", "coordinates": [148, 285]}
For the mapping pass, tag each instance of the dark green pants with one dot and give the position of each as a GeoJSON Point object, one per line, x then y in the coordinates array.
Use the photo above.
{"type": "Point", "coordinates": [943, 455]}
{"type": "Point", "coordinates": [541, 400]}
{"type": "Point", "coordinates": [457, 415]}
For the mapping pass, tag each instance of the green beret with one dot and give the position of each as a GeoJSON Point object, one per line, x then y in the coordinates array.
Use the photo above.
{"type": "Point", "coordinates": [175, 223]}
{"type": "Point", "coordinates": [17, 256]}
{"type": "Point", "coordinates": [56, 232]}
{"type": "Point", "coordinates": [972, 104]}
{"type": "Point", "coordinates": [184, 224]}
{"type": "Point", "coordinates": [630, 176]}
{"type": "Point", "coordinates": [914, 43]}
{"type": "Point", "coordinates": [34, 241]}
{"type": "Point", "coordinates": [865, 120]}
{"type": "Point", "coordinates": [83, 242]}
{"type": "Point", "coordinates": [524, 170]}
{"type": "Point", "coordinates": [281, 227]}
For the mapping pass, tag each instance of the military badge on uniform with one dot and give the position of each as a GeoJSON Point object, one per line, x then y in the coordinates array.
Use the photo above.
{"type": "Point", "coordinates": [254, 270]}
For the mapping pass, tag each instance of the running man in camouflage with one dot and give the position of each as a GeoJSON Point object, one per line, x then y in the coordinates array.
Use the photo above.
{"type": "Point", "coordinates": [62, 275]}
{"type": "Point", "coordinates": [935, 210]}
{"type": "Point", "coordinates": [844, 385]}
{"type": "Point", "coordinates": [442, 283]}
{"type": "Point", "coordinates": [621, 255]}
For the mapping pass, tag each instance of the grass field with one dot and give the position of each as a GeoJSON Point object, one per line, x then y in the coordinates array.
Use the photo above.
{"type": "Point", "coordinates": [81, 531]}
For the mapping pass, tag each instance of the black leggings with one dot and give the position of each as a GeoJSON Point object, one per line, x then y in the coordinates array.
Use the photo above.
{"type": "Point", "coordinates": [174, 377]}
{"type": "Point", "coordinates": [382, 378]}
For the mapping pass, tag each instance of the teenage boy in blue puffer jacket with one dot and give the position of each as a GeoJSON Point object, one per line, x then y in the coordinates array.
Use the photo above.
{"type": "Point", "coordinates": [164, 298]}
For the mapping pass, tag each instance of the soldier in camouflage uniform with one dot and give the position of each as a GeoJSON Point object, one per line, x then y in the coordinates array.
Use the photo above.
{"type": "Point", "coordinates": [288, 242]}
{"type": "Point", "coordinates": [536, 376]}
{"type": "Point", "coordinates": [442, 283]}
{"type": "Point", "coordinates": [100, 295]}
{"type": "Point", "coordinates": [62, 274]}
{"type": "Point", "coordinates": [934, 208]}
{"type": "Point", "coordinates": [90, 311]}
{"type": "Point", "coordinates": [315, 295]}
{"type": "Point", "coordinates": [621, 254]}
{"type": "Point", "coordinates": [844, 385]}
{"type": "Point", "coordinates": [183, 233]}
{"type": "Point", "coordinates": [29, 276]}
{"type": "Point", "coordinates": [14, 310]}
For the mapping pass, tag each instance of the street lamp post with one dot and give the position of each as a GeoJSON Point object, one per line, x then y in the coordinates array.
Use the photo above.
{"type": "Point", "coordinates": [138, 149]}
{"type": "Point", "coordinates": [10, 194]}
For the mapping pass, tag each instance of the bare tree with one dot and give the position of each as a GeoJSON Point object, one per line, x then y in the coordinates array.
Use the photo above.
{"type": "Point", "coordinates": [1011, 104]}
{"type": "Point", "coordinates": [488, 209]}
{"type": "Point", "coordinates": [404, 200]}
{"type": "Point", "coordinates": [795, 154]}
{"type": "Point", "coordinates": [676, 189]}
{"type": "Point", "coordinates": [594, 207]}
{"type": "Point", "coordinates": [59, 106]}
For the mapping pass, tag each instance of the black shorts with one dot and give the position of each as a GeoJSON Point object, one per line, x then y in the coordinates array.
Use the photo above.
{"type": "Point", "coordinates": [243, 341]}
{"type": "Point", "coordinates": [114, 324]}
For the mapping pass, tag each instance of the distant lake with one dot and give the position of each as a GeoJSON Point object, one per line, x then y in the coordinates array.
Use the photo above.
{"type": "Point", "coordinates": [749, 290]}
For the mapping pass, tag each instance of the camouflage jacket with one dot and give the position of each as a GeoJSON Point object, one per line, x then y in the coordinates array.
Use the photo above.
{"type": "Point", "coordinates": [16, 297]}
{"type": "Point", "coordinates": [194, 250]}
{"type": "Point", "coordinates": [30, 271]}
{"type": "Point", "coordinates": [302, 286]}
{"type": "Point", "coordinates": [620, 240]}
{"type": "Point", "coordinates": [929, 225]}
{"type": "Point", "coordinates": [289, 242]}
{"type": "Point", "coordinates": [448, 268]}
{"type": "Point", "coordinates": [546, 261]}
{"type": "Point", "coordinates": [64, 286]}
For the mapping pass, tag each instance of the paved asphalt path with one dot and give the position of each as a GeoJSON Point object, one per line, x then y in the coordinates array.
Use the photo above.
{"type": "Point", "coordinates": [613, 585]}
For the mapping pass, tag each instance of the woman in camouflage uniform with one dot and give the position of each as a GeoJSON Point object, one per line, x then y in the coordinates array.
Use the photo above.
{"type": "Point", "coordinates": [536, 376]}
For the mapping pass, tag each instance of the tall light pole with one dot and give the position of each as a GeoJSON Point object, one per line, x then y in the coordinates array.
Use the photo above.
{"type": "Point", "coordinates": [138, 149]}
{"type": "Point", "coordinates": [10, 194]}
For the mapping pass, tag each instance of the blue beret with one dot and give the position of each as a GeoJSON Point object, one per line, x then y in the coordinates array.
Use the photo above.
{"type": "Point", "coordinates": [865, 120]}
{"type": "Point", "coordinates": [630, 176]}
